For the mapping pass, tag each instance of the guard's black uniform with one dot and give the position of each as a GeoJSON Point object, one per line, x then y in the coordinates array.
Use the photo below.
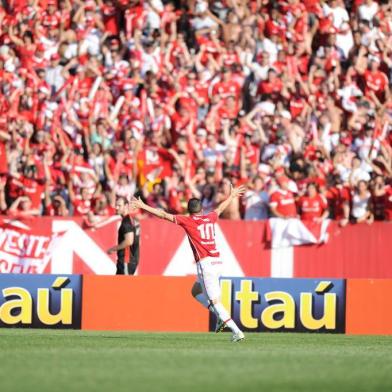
{"type": "Point", "coordinates": [128, 225]}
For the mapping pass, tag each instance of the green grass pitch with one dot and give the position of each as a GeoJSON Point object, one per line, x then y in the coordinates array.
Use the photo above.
{"type": "Point", "coordinates": [55, 360]}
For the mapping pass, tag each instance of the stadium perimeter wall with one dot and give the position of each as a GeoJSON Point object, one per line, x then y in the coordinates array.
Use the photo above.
{"type": "Point", "coordinates": [155, 303]}
{"type": "Point", "coordinates": [65, 246]}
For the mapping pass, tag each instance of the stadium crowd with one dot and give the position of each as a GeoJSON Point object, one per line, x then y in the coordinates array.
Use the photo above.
{"type": "Point", "coordinates": [169, 99]}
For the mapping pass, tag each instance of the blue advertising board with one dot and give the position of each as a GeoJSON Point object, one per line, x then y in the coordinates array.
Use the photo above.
{"type": "Point", "coordinates": [277, 304]}
{"type": "Point", "coordinates": [40, 301]}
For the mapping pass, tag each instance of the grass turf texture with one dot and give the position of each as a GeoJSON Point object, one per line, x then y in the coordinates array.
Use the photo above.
{"type": "Point", "coordinates": [54, 360]}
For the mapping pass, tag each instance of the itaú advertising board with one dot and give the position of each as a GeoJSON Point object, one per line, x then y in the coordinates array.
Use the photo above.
{"type": "Point", "coordinates": [40, 301]}
{"type": "Point", "coordinates": [300, 305]}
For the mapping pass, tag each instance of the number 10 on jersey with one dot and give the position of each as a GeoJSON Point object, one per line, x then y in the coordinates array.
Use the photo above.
{"type": "Point", "coordinates": [207, 231]}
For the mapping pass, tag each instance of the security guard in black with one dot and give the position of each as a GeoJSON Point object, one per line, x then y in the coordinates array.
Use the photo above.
{"type": "Point", "coordinates": [127, 247]}
{"type": "Point", "coordinates": [131, 253]}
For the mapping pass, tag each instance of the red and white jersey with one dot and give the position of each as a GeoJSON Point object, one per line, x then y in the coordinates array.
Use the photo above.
{"type": "Point", "coordinates": [284, 203]}
{"type": "Point", "coordinates": [51, 21]}
{"type": "Point", "coordinates": [375, 81]}
{"type": "Point", "coordinates": [3, 157]}
{"type": "Point", "coordinates": [226, 89]}
{"type": "Point", "coordinates": [135, 18]}
{"type": "Point", "coordinates": [337, 197]}
{"type": "Point", "coordinates": [33, 189]}
{"type": "Point", "coordinates": [81, 207]}
{"type": "Point", "coordinates": [200, 230]}
{"type": "Point", "coordinates": [312, 207]}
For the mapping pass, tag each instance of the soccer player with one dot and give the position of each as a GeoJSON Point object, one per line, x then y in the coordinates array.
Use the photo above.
{"type": "Point", "coordinates": [128, 239]}
{"type": "Point", "coordinates": [200, 230]}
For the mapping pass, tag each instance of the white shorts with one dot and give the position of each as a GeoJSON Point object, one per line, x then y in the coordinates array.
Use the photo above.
{"type": "Point", "coordinates": [209, 271]}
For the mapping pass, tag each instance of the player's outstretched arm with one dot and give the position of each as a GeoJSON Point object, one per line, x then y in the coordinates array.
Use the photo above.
{"type": "Point", "coordinates": [235, 192]}
{"type": "Point", "coordinates": [138, 203]}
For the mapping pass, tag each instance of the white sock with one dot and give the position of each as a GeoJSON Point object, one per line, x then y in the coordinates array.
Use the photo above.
{"type": "Point", "coordinates": [219, 311]}
{"type": "Point", "coordinates": [224, 316]}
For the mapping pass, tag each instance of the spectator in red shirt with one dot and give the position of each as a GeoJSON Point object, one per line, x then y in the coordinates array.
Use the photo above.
{"type": "Point", "coordinates": [82, 203]}
{"type": "Point", "coordinates": [22, 207]}
{"type": "Point", "coordinates": [55, 206]}
{"type": "Point", "coordinates": [379, 198]}
{"type": "Point", "coordinates": [339, 199]}
{"type": "Point", "coordinates": [156, 198]}
{"type": "Point", "coordinates": [282, 202]}
{"type": "Point", "coordinates": [388, 204]}
{"type": "Point", "coordinates": [272, 86]}
{"type": "Point", "coordinates": [3, 202]}
{"type": "Point", "coordinates": [100, 212]}
{"type": "Point", "coordinates": [226, 87]}
{"type": "Point", "coordinates": [29, 185]}
{"type": "Point", "coordinates": [313, 206]}
{"type": "Point", "coordinates": [376, 82]}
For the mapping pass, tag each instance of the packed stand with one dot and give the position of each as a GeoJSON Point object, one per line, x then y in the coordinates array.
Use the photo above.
{"type": "Point", "coordinates": [168, 100]}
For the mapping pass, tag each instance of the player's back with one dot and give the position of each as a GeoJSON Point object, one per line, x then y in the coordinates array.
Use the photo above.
{"type": "Point", "coordinates": [200, 230]}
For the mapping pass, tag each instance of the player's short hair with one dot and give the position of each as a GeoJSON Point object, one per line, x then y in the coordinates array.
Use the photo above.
{"type": "Point", "coordinates": [194, 205]}
{"type": "Point", "coordinates": [124, 199]}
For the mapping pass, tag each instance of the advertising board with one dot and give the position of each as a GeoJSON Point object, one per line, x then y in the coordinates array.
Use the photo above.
{"type": "Point", "coordinates": [40, 301]}
{"type": "Point", "coordinates": [300, 305]}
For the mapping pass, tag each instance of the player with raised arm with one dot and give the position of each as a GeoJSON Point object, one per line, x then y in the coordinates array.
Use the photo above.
{"type": "Point", "coordinates": [200, 230]}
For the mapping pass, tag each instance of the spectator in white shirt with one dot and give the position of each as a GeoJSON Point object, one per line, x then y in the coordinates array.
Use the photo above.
{"type": "Point", "coordinates": [361, 204]}
{"type": "Point", "coordinates": [203, 20]}
{"type": "Point", "coordinates": [367, 10]}
{"type": "Point", "coordinates": [154, 10]}
{"type": "Point", "coordinates": [54, 75]}
{"type": "Point", "coordinates": [256, 201]}
{"type": "Point", "coordinates": [339, 13]}
{"type": "Point", "coordinates": [358, 173]}
{"type": "Point", "coordinates": [213, 152]}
